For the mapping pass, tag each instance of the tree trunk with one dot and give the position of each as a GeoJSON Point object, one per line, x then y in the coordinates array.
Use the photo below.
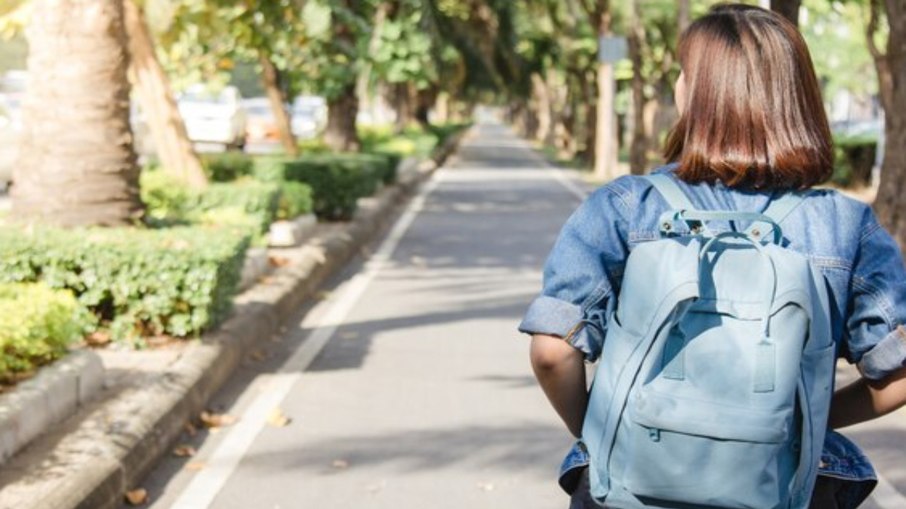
{"type": "Point", "coordinates": [424, 100]}
{"type": "Point", "coordinates": [442, 108]}
{"type": "Point", "coordinates": [270, 79]}
{"type": "Point", "coordinates": [638, 148]}
{"type": "Point", "coordinates": [890, 205]}
{"type": "Point", "coordinates": [789, 9]}
{"type": "Point", "coordinates": [76, 164]}
{"type": "Point", "coordinates": [591, 100]}
{"type": "Point", "coordinates": [363, 80]}
{"type": "Point", "coordinates": [403, 104]}
{"type": "Point", "coordinates": [606, 145]}
{"type": "Point", "coordinates": [683, 15]}
{"type": "Point", "coordinates": [152, 88]}
{"type": "Point", "coordinates": [341, 134]}
{"type": "Point", "coordinates": [542, 100]}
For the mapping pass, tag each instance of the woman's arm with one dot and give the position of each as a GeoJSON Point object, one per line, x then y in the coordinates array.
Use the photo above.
{"type": "Point", "coordinates": [864, 399]}
{"type": "Point", "coordinates": [560, 369]}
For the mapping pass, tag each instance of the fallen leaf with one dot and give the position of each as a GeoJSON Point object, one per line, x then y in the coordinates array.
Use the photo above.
{"type": "Point", "coordinates": [98, 339]}
{"type": "Point", "coordinates": [340, 464]}
{"type": "Point", "coordinates": [137, 497]}
{"type": "Point", "coordinates": [213, 420]}
{"type": "Point", "coordinates": [277, 418]}
{"type": "Point", "coordinates": [194, 465]}
{"type": "Point", "coordinates": [258, 355]}
{"type": "Point", "coordinates": [191, 430]}
{"type": "Point", "coordinates": [183, 451]}
{"type": "Point", "coordinates": [279, 261]}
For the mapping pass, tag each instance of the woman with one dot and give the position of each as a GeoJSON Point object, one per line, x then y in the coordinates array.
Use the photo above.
{"type": "Point", "coordinates": [752, 126]}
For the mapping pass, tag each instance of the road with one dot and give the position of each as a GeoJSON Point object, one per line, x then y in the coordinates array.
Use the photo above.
{"type": "Point", "coordinates": [407, 385]}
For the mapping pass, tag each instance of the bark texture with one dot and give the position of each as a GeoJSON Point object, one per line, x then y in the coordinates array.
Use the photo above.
{"type": "Point", "coordinates": [341, 134]}
{"type": "Point", "coordinates": [270, 80]}
{"type": "Point", "coordinates": [789, 9]}
{"type": "Point", "coordinates": [76, 165]}
{"type": "Point", "coordinates": [890, 205]}
{"type": "Point", "coordinates": [152, 89]}
{"type": "Point", "coordinates": [638, 147]}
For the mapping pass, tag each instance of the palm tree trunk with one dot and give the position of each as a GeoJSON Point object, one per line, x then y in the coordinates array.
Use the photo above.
{"type": "Point", "coordinates": [152, 88]}
{"type": "Point", "coordinates": [76, 165]}
{"type": "Point", "coordinates": [890, 205]}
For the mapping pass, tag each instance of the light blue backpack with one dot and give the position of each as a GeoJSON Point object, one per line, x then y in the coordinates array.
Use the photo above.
{"type": "Point", "coordinates": [717, 368]}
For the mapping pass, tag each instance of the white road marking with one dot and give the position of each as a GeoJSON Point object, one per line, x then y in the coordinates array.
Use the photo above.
{"type": "Point", "coordinates": [207, 483]}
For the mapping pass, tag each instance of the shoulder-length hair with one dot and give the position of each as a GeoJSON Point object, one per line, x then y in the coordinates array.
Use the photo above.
{"type": "Point", "coordinates": [753, 116]}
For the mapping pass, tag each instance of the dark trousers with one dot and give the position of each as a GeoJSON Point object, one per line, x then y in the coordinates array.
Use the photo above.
{"type": "Point", "coordinates": [828, 491]}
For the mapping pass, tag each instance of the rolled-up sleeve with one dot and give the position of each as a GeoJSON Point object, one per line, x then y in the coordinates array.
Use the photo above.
{"type": "Point", "coordinates": [579, 273]}
{"type": "Point", "coordinates": [876, 337]}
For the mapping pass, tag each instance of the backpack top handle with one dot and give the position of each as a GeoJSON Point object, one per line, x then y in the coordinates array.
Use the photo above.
{"type": "Point", "coordinates": [696, 220]}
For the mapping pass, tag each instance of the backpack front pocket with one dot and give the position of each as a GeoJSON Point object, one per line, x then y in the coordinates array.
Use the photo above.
{"type": "Point", "coordinates": [707, 454]}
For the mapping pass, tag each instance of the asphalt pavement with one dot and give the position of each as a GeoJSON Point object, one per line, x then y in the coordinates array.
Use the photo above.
{"type": "Point", "coordinates": [406, 385]}
{"type": "Point", "coordinates": [422, 395]}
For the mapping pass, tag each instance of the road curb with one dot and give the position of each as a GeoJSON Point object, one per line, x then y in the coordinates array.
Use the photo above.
{"type": "Point", "coordinates": [53, 395]}
{"type": "Point", "coordinates": [117, 444]}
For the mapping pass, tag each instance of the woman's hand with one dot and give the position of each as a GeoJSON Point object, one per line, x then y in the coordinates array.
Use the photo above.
{"type": "Point", "coordinates": [560, 370]}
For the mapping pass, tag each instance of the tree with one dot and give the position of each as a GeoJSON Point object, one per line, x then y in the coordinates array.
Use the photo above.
{"type": "Point", "coordinates": [789, 9]}
{"type": "Point", "coordinates": [76, 163]}
{"type": "Point", "coordinates": [890, 205]}
{"type": "Point", "coordinates": [206, 38]}
{"type": "Point", "coordinates": [152, 88]}
{"type": "Point", "coordinates": [606, 144]}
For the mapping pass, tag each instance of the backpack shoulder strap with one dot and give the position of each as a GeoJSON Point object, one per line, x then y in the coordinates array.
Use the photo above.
{"type": "Point", "coordinates": [671, 192]}
{"type": "Point", "coordinates": [779, 209]}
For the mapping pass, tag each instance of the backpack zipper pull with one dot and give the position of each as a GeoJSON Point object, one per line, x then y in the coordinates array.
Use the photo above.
{"type": "Point", "coordinates": [654, 434]}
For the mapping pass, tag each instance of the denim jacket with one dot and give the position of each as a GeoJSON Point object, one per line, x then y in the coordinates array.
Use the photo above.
{"type": "Point", "coordinates": [861, 264]}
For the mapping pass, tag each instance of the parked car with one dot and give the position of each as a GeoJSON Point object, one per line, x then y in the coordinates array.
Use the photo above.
{"type": "Point", "coordinates": [261, 125]}
{"type": "Point", "coordinates": [309, 116]}
{"type": "Point", "coordinates": [214, 117]}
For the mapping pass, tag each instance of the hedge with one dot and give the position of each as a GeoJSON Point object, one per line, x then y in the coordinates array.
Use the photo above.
{"type": "Point", "coordinates": [176, 281]}
{"type": "Point", "coordinates": [37, 324]}
{"type": "Point", "coordinates": [169, 202]}
{"type": "Point", "coordinates": [854, 159]}
{"type": "Point", "coordinates": [227, 166]}
{"type": "Point", "coordinates": [337, 182]}
{"type": "Point", "coordinates": [295, 200]}
{"type": "Point", "coordinates": [259, 200]}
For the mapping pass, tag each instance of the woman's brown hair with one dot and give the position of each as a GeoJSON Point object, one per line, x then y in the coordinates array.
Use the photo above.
{"type": "Point", "coordinates": [753, 116]}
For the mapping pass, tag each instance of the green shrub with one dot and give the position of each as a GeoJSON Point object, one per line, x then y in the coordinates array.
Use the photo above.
{"type": "Point", "coordinates": [36, 326]}
{"type": "Point", "coordinates": [177, 281]}
{"type": "Point", "coordinates": [166, 198]}
{"type": "Point", "coordinates": [270, 168]}
{"type": "Point", "coordinates": [337, 182]}
{"type": "Point", "coordinates": [257, 199]}
{"type": "Point", "coordinates": [313, 146]}
{"type": "Point", "coordinates": [168, 201]}
{"type": "Point", "coordinates": [227, 166]}
{"type": "Point", "coordinates": [295, 200]}
{"type": "Point", "coordinates": [854, 158]}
